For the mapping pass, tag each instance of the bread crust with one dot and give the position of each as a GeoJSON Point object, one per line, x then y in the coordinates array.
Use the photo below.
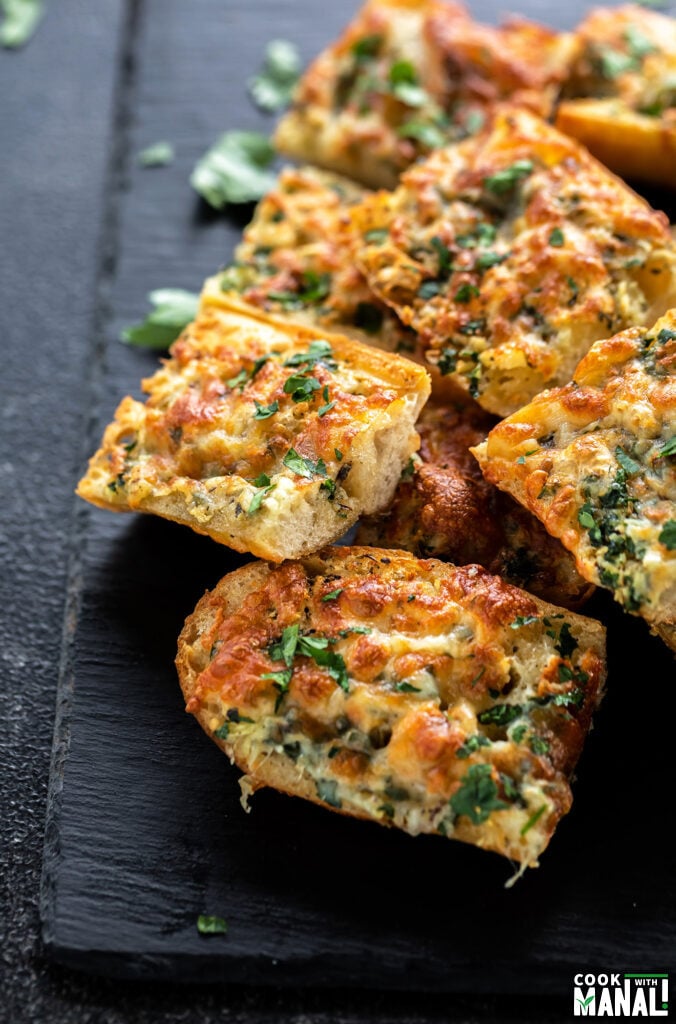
{"type": "Point", "coordinates": [418, 682]}
{"type": "Point", "coordinates": [591, 461]}
{"type": "Point", "coordinates": [260, 433]}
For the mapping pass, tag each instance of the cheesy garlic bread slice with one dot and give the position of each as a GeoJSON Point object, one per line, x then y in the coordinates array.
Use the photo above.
{"type": "Point", "coordinates": [266, 436]}
{"type": "Point", "coordinates": [407, 76]}
{"type": "Point", "coordinates": [596, 462]}
{"type": "Point", "coordinates": [431, 697]}
{"type": "Point", "coordinates": [296, 260]}
{"type": "Point", "coordinates": [621, 94]}
{"type": "Point", "coordinates": [511, 253]}
{"type": "Point", "coordinates": [445, 508]}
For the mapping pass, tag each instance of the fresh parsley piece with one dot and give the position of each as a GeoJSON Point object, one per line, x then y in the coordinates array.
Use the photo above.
{"type": "Point", "coordinates": [556, 238]}
{"type": "Point", "coordinates": [585, 516]}
{"type": "Point", "coordinates": [264, 488]}
{"type": "Point", "coordinates": [174, 310]}
{"type": "Point", "coordinates": [272, 87]}
{"type": "Point", "coordinates": [613, 63]}
{"type": "Point", "coordinates": [669, 449]}
{"type": "Point", "coordinates": [523, 620]}
{"type": "Point", "coordinates": [478, 795]}
{"type": "Point", "coordinates": [210, 924]}
{"type": "Point", "coordinates": [376, 236]}
{"type": "Point", "coordinates": [323, 409]}
{"type": "Point", "coordinates": [404, 85]}
{"type": "Point", "coordinates": [367, 47]}
{"type": "Point", "coordinates": [428, 289]}
{"type": "Point", "coordinates": [263, 412]}
{"type": "Point", "coordinates": [483, 234]}
{"type": "Point", "coordinates": [627, 463]}
{"type": "Point", "coordinates": [443, 255]}
{"type": "Point", "coordinates": [533, 820]}
{"type": "Point", "coordinates": [235, 169]}
{"type": "Point", "coordinates": [302, 466]}
{"type": "Point", "coordinates": [466, 292]}
{"type": "Point", "coordinates": [505, 180]}
{"type": "Point", "coordinates": [158, 155]}
{"type": "Point", "coordinates": [405, 687]}
{"type": "Point", "coordinates": [447, 361]}
{"type": "Point", "coordinates": [500, 714]}
{"type": "Point", "coordinates": [566, 643]}
{"type": "Point", "coordinates": [333, 594]}
{"type": "Point", "coordinates": [427, 134]}
{"type": "Point", "coordinates": [300, 387]}
{"type": "Point", "coordinates": [313, 288]}
{"type": "Point", "coordinates": [490, 259]}
{"type": "Point", "coordinates": [281, 679]}
{"type": "Point", "coordinates": [20, 20]}
{"type": "Point", "coordinates": [222, 732]}
{"type": "Point", "coordinates": [339, 455]}
{"type": "Point", "coordinates": [668, 535]}
{"type": "Point", "coordinates": [538, 745]}
{"type": "Point", "coordinates": [317, 352]}
{"type": "Point", "coordinates": [317, 648]}
{"type": "Point", "coordinates": [639, 44]}
{"type": "Point", "coordinates": [285, 648]}
{"type": "Point", "coordinates": [471, 745]}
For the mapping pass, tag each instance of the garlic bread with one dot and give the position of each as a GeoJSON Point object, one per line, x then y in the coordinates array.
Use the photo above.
{"type": "Point", "coordinates": [511, 253]}
{"type": "Point", "coordinates": [407, 76]}
{"type": "Point", "coordinates": [445, 508]}
{"type": "Point", "coordinates": [595, 461]}
{"type": "Point", "coordinates": [431, 697]}
{"type": "Point", "coordinates": [620, 98]}
{"type": "Point", "coordinates": [269, 437]}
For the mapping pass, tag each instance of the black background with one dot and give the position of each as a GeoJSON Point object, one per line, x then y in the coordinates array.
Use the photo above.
{"type": "Point", "coordinates": [144, 831]}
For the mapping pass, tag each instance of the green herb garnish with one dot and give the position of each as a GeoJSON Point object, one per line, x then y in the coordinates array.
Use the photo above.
{"type": "Point", "coordinates": [505, 180]}
{"type": "Point", "coordinates": [174, 310]}
{"type": "Point", "coordinates": [20, 20]}
{"type": "Point", "coordinates": [272, 87]}
{"type": "Point", "coordinates": [667, 535]}
{"type": "Point", "coordinates": [235, 169]}
{"type": "Point", "coordinates": [210, 924]}
{"type": "Point", "coordinates": [478, 795]}
{"type": "Point", "coordinates": [263, 412]}
{"type": "Point", "coordinates": [556, 238]}
{"type": "Point", "coordinates": [158, 155]}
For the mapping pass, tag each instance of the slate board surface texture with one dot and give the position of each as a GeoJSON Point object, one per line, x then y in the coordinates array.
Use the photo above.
{"type": "Point", "coordinates": [329, 919]}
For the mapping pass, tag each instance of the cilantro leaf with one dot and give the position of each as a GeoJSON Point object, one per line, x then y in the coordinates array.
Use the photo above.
{"type": "Point", "coordinates": [404, 85]}
{"type": "Point", "coordinates": [500, 714]}
{"type": "Point", "coordinates": [478, 795]}
{"type": "Point", "coordinates": [669, 449]}
{"type": "Point", "coordinates": [264, 489]}
{"type": "Point", "coordinates": [523, 620]}
{"type": "Point", "coordinates": [263, 412]}
{"type": "Point", "coordinates": [333, 594]}
{"type": "Point", "coordinates": [300, 387]}
{"type": "Point", "coordinates": [556, 238]}
{"type": "Point", "coordinates": [21, 18]}
{"type": "Point", "coordinates": [235, 169]}
{"type": "Point", "coordinates": [285, 648]}
{"type": "Point", "coordinates": [424, 132]}
{"type": "Point", "coordinates": [174, 310]}
{"type": "Point", "coordinates": [302, 466]}
{"type": "Point", "coordinates": [158, 155]}
{"type": "Point", "coordinates": [627, 463]}
{"type": "Point", "coordinates": [534, 818]}
{"type": "Point", "coordinates": [272, 87]}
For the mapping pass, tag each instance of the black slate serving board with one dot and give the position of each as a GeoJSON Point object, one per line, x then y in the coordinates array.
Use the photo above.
{"type": "Point", "coordinates": [145, 830]}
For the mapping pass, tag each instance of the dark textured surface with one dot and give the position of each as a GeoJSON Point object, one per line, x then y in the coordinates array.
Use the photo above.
{"type": "Point", "coordinates": [146, 832]}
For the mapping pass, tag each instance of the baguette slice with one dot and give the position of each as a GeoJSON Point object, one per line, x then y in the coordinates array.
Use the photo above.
{"type": "Point", "coordinates": [410, 692]}
{"type": "Point", "coordinates": [595, 461]}
{"type": "Point", "coordinates": [408, 76]}
{"type": "Point", "coordinates": [621, 94]}
{"type": "Point", "coordinates": [445, 508]}
{"type": "Point", "coordinates": [296, 260]}
{"type": "Point", "coordinates": [511, 253]}
{"type": "Point", "coordinates": [269, 437]}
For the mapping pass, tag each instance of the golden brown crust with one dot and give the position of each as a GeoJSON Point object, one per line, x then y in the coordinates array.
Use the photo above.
{"type": "Point", "coordinates": [592, 461]}
{"type": "Point", "coordinates": [445, 508]}
{"type": "Point", "coordinates": [621, 94]}
{"type": "Point", "coordinates": [511, 253]}
{"type": "Point", "coordinates": [406, 77]}
{"type": "Point", "coordinates": [260, 433]}
{"type": "Point", "coordinates": [411, 692]}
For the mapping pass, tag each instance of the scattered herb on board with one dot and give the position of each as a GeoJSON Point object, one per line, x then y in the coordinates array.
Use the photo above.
{"type": "Point", "coordinates": [158, 155]}
{"type": "Point", "coordinates": [174, 310]}
{"type": "Point", "coordinates": [235, 169]}
{"type": "Point", "coordinates": [211, 924]}
{"type": "Point", "coordinates": [20, 18]}
{"type": "Point", "coordinates": [272, 87]}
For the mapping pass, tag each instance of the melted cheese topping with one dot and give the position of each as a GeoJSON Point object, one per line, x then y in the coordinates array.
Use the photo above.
{"type": "Point", "coordinates": [592, 461]}
{"type": "Point", "coordinates": [296, 259]}
{"type": "Point", "coordinates": [444, 507]}
{"type": "Point", "coordinates": [249, 420]}
{"type": "Point", "coordinates": [408, 75]}
{"type": "Point", "coordinates": [412, 692]}
{"type": "Point", "coordinates": [510, 254]}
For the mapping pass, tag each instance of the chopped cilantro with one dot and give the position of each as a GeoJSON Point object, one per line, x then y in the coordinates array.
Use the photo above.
{"type": "Point", "coordinates": [285, 648]}
{"type": "Point", "coordinates": [222, 732]}
{"type": "Point", "coordinates": [428, 289]}
{"type": "Point", "coordinates": [339, 455]}
{"type": "Point", "coordinates": [443, 254]}
{"type": "Point", "coordinates": [471, 745]}
{"type": "Point", "coordinates": [585, 516]}
{"type": "Point", "coordinates": [613, 63]}
{"type": "Point", "coordinates": [505, 180]}
{"type": "Point", "coordinates": [448, 361]}
{"type": "Point", "coordinates": [333, 594]}
{"type": "Point", "coordinates": [566, 643]}
{"type": "Point", "coordinates": [264, 489]}
{"type": "Point", "coordinates": [376, 236]}
{"type": "Point", "coordinates": [500, 714]}
{"type": "Point", "coordinates": [317, 352]}
{"type": "Point", "coordinates": [639, 45]}
{"type": "Point", "coordinates": [556, 238]}
{"type": "Point", "coordinates": [627, 463]}
{"type": "Point", "coordinates": [302, 466]}
{"type": "Point", "coordinates": [490, 259]}
{"type": "Point", "coordinates": [174, 310]}
{"type": "Point", "coordinates": [301, 387]}
{"type": "Point", "coordinates": [538, 745]}
{"type": "Point", "coordinates": [235, 169]}
{"type": "Point", "coordinates": [483, 234]}
{"type": "Point", "coordinates": [523, 620]}
{"type": "Point", "coordinates": [405, 687]}
{"type": "Point", "coordinates": [669, 449]}
{"type": "Point", "coordinates": [272, 87]}
{"type": "Point", "coordinates": [210, 924]}
{"type": "Point", "coordinates": [312, 288]}
{"type": "Point", "coordinates": [478, 794]}
{"type": "Point", "coordinates": [367, 47]}
{"type": "Point", "coordinates": [404, 85]}
{"type": "Point", "coordinates": [424, 132]}
{"type": "Point", "coordinates": [667, 535]}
